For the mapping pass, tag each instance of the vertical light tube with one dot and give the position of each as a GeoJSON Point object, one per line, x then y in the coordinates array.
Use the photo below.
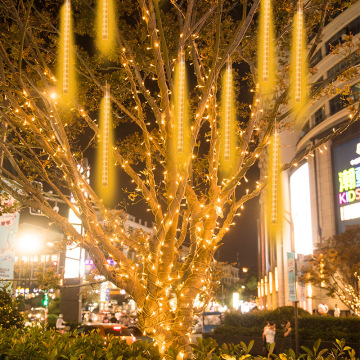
{"type": "Point", "coordinates": [181, 104]}
{"type": "Point", "coordinates": [266, 43]}
{"type": "Point", "coordinates": [228, 101]}
{"type": "Point", "coordinates": [66, 53]}
{"type": "Point", "coordinates": [105, 20]}
{"type": "Point", "coordinates": [275, 179]}
{"type": "Point", "coordinates": [298, 55]}
{"type": "Point", "coordinates": [106, 138]}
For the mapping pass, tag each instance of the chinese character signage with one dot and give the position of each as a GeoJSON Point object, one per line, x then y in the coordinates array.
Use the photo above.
{"type": "Point", "coordinates": [347, 183]}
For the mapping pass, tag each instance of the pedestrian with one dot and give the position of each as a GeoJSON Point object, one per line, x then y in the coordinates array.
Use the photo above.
{"type": "Point", "coordinates": [267, 324]}
{"type": "Point", "coordinates": [105, 319]}
{"type": "Point", "coordinates": [269, 335]}
{"type": "Point", "coordinates": [336, 311]}
{"type": "Point", "coordinates": [287, 337]}
{"type": "Point", "coordinates": [113, 319]}
{"type": "Point", "coordinates": [60, 324]}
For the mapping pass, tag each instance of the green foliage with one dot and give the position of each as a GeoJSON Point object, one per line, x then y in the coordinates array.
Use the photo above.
{"type": "Point", "coordinates": [51, 320]}
{"type": "Point", "coordinates": [10, 315]}
{"type": "Point", "coordinates": [311, 327]}
{"type": "Point", "coordinates": [39, 343]}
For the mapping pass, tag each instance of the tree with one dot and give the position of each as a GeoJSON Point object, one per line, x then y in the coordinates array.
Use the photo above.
{"type": "Point", "coordinates": [9, 313]}
{"type": "Point", "coordinates": [336, 265]}
{"type": "Point", "coordinates": [192, 198]}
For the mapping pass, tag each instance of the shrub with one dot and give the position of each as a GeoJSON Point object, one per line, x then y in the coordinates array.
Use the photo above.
{"type": "Point", "coordinates": [51, 320]}
{"type": "Point", "coordinates": [310, 327]}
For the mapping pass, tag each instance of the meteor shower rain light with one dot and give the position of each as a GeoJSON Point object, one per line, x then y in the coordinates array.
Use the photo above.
{"type": "Point", "coordinates": [227, 135]}
{"type": "Point", "coordinates": [298, 47]}
{"type": "Point", "coordinates": [266, 45]}
{"type": "Point", "coordinates": [181, 104]}
{"type": "Point", "coordinates": [106, 138]}
{"type": "Point", "coordinates": [105, 20]}
{"type": "Point", "coordinates": [66, 54]}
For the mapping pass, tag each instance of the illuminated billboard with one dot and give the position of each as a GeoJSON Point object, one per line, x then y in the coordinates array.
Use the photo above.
{"type": "Point", "coordinates": [346, 165]}
{"type": "Point", "coordinates": [301, 210]}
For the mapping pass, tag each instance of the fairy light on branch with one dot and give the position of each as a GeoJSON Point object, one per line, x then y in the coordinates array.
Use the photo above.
{"type": "Point", "coordinates": [266, 44]}
{"type": "Point", "coordinates": [227, 135]}
{"type": "Point", "coordinates": [181, 104]}
{"type": "Point", "coordinates": [106, 138]}
{"type": "Point", "coordinates": [298, 55]}
{"type": "Point", "coordinates": [66, 54]}
{"type": "Point", "coordinates": [105, 20]}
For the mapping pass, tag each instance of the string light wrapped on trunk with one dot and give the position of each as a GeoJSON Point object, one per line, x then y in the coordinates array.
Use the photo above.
{"type": "Point", "coordinates": [105, 20]}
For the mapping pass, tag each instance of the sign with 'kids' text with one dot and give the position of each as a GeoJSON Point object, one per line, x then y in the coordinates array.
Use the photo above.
{"type": "Point", "coordinates": [346, 162]}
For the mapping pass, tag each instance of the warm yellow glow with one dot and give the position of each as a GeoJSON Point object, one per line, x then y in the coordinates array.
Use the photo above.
{"type": "Point", "coordinates": [105, 26]}
{"type": "Point", "coordinates": [228, 88]}
{"type": "Point", "coordinates": [66, 84]}
{"type": "Point", "coordinates": [298, 56]}
{"type": "Point", "coordinates": [266, 43]}
{"type": "Point", "coordinates": [274, 179]}
{"type": "Point", "coordinates": [262, 287]}
{"type": "Point", "coordinates": [105, 20]}
{"type": "Point", "coordinates": [106, 134]}
{"type": "Point", "coordinates": [180, 144]}
{"type": "Point", "coordinates": [309, 290]}
{"type": "Point", "coordinates": [274, 208]}
{"type": "Point", "coordinates": [270, 282]}
{"type": "Point", "coordinates": [66, 53]}
{"type": "Point", "coordinates": [298, 73]}
{"type": "Point", "coordinates": [266, 285]}
{"type": "Point", "coordinates": [276, 275]}
{"type": "Point", "coordinates": [259, 289]}
{"type": "Point", "coordinates": [181, 104]}
{"type": "Point", "coordinates": [266, 50]}
{"type": "Point", "coordinates": [227, 123]}
{"type": "Point", "coordinates": [105, 182]}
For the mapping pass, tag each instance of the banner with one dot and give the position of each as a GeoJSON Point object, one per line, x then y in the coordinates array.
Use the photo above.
{"type": "Point", "coordinates": [291, 275]}
{"type": "Point", "coordinates": [8, 233]}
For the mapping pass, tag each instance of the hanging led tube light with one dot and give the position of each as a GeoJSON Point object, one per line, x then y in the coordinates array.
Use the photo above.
{"type": "Point", "coordinates": [105, 20]}
{"type": "Point", "coordinates": [266, 44]}
{"type": "Point", "coordinates": [275, 179]}
{"type": "Point", "coordinates": [106, 138]}
{"type": "Point", "coordinates": [299, 55]}
{"type": "Point", "coordinates": [181, 104]}
{"type": "Point", "coordinates": [66, 54]}
{"type": "Point", "coordinates": [227, 122]}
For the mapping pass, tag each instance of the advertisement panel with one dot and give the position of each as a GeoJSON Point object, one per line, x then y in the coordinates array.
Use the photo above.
{"type": "Point", "coordinates": [346, 165]}
{"type": "Point", "coordinates": [291, 266]}
{"type": "Point", "coordinates": [8, 232]}
{"type": "Point", "coordinates": [301, 210]}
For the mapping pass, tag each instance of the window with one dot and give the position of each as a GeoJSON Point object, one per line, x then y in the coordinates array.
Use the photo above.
{"type": "Point", "coordinates": [317, 57]}
{"type": "Point", "coordinates": [319, 116]}
{"type": "Point", "coordinates": [337, 103]}
{"type": "Point", "coordinates": [352, 28]}
{"type": "Point", "coordinates": [305, 129]}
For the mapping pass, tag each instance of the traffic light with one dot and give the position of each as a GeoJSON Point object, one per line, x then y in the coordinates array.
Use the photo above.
{"type": "Point", "coordinates": [45, 302]}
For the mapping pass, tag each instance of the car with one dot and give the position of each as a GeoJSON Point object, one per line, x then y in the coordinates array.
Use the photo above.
{"type": "Point", "coordinates": [135, 331]}
{"type": "Point", "coordinates": [108, 329]}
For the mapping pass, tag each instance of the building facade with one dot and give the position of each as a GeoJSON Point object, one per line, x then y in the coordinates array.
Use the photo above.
{"type": "Point", "coordinates": [321, 195]}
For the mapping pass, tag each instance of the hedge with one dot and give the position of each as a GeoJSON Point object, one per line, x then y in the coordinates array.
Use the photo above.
{"type": "Point", "coordinates": [311, 327]}
{"type": "Point", "coordinates": [40, 344]}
